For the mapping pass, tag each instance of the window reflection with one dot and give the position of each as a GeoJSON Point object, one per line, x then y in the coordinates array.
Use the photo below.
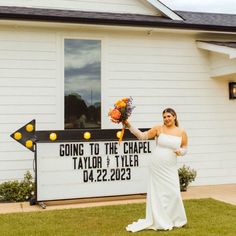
{"type": "Point", "coordinates": [82, 84]}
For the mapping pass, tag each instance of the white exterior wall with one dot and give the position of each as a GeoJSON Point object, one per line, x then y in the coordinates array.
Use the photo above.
{"type": "Point", "coordinates": [28, 90]}
{"type": "Point", "coordinates": [118, 6]}
{"type": "Point", "coordinates": [158, 70]}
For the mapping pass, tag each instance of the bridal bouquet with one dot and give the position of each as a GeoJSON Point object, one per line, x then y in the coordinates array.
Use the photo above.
{"type": "Point", "coordinates": [121, 112]}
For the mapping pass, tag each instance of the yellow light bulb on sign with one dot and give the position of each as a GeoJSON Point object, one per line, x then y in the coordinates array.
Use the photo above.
{"type": "Point", "coordinates": [53, 136]}
{"type": "Point", "coordinates": [87, 135]}
{"type": "Point", "coordinates": [29, 127]}
{"type": "Point", "coordinates": [29, 143]}
{"type": "Point", "coordinates": [17, 136]}
{"type": "Point", "coordinates": [118, 134]}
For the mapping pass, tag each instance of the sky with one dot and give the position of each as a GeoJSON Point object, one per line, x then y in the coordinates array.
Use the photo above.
{"type": "Point", "coordinates": [83, 69]}
{"type": "Point", "coordinates": [216, 6]}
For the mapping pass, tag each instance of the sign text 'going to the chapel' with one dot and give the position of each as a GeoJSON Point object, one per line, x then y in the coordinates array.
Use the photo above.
{"type": "Point", "coordinates": [107, 161]}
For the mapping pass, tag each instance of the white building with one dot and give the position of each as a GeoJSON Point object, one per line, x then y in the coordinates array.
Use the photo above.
{"type": "Point", "coordinates": [161, 58]}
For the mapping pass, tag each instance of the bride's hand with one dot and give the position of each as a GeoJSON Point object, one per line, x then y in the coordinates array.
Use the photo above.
{"type": "Point", "coordinates": [126, 124]}
{"type": "Point", "coordinates": [177, 152]}
{"type": "Point", "coordinates": [181, 151]}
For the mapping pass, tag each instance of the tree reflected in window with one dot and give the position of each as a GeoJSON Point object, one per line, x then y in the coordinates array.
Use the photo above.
{"type": "Point", "coordinates": [82, 84]}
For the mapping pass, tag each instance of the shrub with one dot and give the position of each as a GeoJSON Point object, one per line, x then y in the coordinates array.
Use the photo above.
{"type": "Point", "coordinates": [186, 176]}
{"type": "Point", "coordinates": [17, 191]}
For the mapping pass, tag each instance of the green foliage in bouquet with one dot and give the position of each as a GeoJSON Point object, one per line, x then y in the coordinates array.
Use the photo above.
{"type": "Point", "coordinates": [186, 176]}
{"type": "Point", "coordinates": [17, 191]}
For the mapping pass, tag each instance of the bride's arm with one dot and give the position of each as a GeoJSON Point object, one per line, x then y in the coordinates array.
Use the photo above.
{"type": "Point", "coordinates": [151, 133]}
{"type": "Point", "coordinates": [184, 145]}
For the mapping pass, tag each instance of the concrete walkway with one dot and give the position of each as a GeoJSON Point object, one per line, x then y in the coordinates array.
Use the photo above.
{"type": "Point", "coordinates": [225, 193]}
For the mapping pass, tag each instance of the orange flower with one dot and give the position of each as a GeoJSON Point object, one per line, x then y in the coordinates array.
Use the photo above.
{"type": "Point", "coordinates": [115, 114]}
{"type": "Point", "coordinates": [120, 104]}
{"type": "Point", "coordinates": [125, 100]}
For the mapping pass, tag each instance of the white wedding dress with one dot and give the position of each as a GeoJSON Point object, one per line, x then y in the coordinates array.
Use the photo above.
{"type": "Point", "coordinates": [164, 206]}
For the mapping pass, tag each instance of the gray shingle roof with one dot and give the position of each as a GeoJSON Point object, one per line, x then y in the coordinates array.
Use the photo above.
{"type": "Point", "coordinates": [192, 20]}
{"type": "Point", "coordinates": [208, 18]}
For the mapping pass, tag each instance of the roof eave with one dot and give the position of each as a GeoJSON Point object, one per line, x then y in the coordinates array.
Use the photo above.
{"type": "Point", "coordinates": [231, 52]}
{"type": "Point", "coordinates": [60, 16]}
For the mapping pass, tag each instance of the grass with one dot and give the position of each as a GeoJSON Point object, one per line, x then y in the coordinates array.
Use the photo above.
{"type": "Point", "coordinates": [206, 217]}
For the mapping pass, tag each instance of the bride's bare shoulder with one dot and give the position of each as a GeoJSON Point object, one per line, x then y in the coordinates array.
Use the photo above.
{"type": "Point", "coordinates": [182, 131]}
{"type": "Point", "coordinates": [158, 129]}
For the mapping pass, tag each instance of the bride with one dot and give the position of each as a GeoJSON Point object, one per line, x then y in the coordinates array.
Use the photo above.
{"type": "Point", "coordinates": [164, 206]}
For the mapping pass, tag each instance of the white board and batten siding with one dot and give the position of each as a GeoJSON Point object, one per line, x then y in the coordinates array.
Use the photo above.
{"type": "Point", "coordinates": [158, 70]}
{"type": "Point", "coordinates": [28, 90]}
{"type": "Point", "coordinates": [115, 6]}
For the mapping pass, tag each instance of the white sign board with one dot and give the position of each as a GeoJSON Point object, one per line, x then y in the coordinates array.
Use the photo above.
{"type": "Point", "coordinates": [92, 169]}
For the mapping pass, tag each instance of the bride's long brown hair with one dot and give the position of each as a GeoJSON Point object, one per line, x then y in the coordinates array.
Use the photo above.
{"type": "Point", "coordinates": [173, 113]}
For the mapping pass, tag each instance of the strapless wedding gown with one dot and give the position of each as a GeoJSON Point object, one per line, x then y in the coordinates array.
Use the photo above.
{"type": "Point", "coordinates": [164, 206]}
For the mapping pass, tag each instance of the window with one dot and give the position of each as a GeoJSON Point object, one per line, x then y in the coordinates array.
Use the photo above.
{"type": "Point", "coordinates": [82, 71]}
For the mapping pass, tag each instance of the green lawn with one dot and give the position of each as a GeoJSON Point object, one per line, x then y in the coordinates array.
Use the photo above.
{"type": "Point", "coordinates": [206, 217]}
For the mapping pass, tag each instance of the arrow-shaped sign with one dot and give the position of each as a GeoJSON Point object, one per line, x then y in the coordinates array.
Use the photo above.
{"type": "Point", "coordinates": [28, 136]}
